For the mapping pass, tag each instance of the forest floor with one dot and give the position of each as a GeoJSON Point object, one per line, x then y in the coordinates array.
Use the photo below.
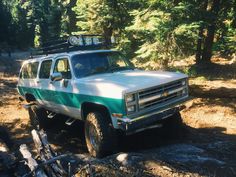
{"type": "Point", "coordinates": [208, 149]}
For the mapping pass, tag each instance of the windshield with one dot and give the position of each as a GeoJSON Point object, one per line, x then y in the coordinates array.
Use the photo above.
{"type": "Point", "coordinates": [95, 63]}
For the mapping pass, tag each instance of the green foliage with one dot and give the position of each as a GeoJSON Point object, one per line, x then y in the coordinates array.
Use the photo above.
{"type": "Point", "coordinates": [164, 32]}
{"type": "Point", "coordinates": [226, 43]}
{"type": "Point", "coordinates": [151, 32]}
{"type": "Point", "coordinates": [37, 40]}
{"type": "Point", "coordinates": [5, 20]}
{"type": "Point", "coordinates": [191, 72]}
{"type": "Point", "coordinates": [29, 22]}
{"type": "Point", "coordinates": [106, 17]}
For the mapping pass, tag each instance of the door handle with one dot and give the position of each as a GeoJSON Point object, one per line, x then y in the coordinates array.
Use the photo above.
{"type": "Point", "coordinates": [65, 82]}
{"type": "Point", "coordinates": [38, 81]}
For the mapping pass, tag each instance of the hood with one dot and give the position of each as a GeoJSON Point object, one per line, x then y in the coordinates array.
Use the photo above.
{"type": "Point", "coordinates": [130, 80]}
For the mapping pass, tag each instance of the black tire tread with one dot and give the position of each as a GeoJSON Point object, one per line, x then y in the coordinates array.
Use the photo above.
{"type": "Point", "coordinates": [106, 133]}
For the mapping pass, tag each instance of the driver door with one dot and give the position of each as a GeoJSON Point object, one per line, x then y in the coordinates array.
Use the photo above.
{"type": "Point", "coordinates": [62, 88]}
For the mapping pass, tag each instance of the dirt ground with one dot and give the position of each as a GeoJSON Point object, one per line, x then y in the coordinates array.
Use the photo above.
{"type": "Point", "coordinates": [207, 149]}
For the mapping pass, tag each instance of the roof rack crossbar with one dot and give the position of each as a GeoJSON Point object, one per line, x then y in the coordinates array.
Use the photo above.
{"type": "Point", "coordinates": [73, 43]}
{"type": "Point", "coordinates": [65, 44]}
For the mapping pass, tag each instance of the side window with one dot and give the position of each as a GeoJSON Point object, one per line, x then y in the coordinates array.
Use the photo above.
{"type": "Point", "coordinates": [62, 66]}
{"type": "Point", "coordinates": [29, 71]}
{"type": "Point", "coordinates": [44, 72]}
{"type": "Point", "coordinates": [24, 72]}
{"type": "Point", "coordinates": [33, 70]}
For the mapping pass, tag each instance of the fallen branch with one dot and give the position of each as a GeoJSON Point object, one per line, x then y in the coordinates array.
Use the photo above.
{"type": "Point", "coordinates": [46, 154]}
{"type": "Point", "coordinates": [44, 164]}
{"type": "Point", "coordinates": [31, 162]}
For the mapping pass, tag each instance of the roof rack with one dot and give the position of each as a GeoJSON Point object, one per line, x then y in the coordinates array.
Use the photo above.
{"type": "Point", "coordinates": [72, 43]}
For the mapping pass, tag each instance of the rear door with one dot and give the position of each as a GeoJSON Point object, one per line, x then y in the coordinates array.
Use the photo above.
{"type": "Point", "coordinates": [44, 84]}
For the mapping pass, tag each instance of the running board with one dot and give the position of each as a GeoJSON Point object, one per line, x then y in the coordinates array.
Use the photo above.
{"type": "Point", "coordinates": [51, 115]}
{"type": "Point", "coordinates": [27, 106]}
{"type": "Point", "coordinates": [70, 121]}
{"type": "Point", "coordinates": [145, 128]}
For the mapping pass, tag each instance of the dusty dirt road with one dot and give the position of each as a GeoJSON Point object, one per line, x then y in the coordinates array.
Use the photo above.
{"type": "Point", "coordinates": [208, 149]}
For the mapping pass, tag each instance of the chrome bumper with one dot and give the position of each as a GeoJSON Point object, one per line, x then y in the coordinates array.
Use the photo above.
{"type": "Point", "coordinates": [149, 119]}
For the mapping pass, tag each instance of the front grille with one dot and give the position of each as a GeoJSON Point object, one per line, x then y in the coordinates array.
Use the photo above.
{"type": "Point", "coordinates": [156, 96]}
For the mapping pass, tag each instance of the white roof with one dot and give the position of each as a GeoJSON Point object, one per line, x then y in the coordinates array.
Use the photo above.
{"type": "Point", "coordinates": [41, 57]}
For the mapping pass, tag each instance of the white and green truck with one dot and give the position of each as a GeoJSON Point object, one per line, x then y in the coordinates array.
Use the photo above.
{"type": "Point", "coordinates": [105, 90]}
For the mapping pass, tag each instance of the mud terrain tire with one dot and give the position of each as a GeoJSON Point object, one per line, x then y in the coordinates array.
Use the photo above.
{"type": "Point", "coordinates": [101, 138]}
{"type": "Point", "coordinates": [38, 117]}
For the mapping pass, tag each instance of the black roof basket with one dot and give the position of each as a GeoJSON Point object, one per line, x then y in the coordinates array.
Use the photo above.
{"type": "Point", "coordinates": [72, 43]}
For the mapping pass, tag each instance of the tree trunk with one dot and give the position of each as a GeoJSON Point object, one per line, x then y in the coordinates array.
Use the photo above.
{"type": "Point", "coordinates": [107, 33]}
{"type": "Point", "coordinates": [72, 17]}
{"type": "Point", "coordinates": [199, 45]}
{"type": "Point", "coordinates": [207, 50]}
{"type": "Point", "coordinates": [200, 35]}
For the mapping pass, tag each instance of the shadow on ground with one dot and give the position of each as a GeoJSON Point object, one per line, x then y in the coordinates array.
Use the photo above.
{"type": "Point", "coordinates": [215, 71]}
{"type": "Point", "coordinates": [221, 92]}
{"type": "Point", "coordinates": [203, 151]}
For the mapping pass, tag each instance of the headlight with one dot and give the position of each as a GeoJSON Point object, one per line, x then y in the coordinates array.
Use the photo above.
{"type": "Point", "coordinates": [131, 108]}
{"type": "Point", "coordinates": [131, 102]}
{"type": "Point", "coordinates": [130, 98]}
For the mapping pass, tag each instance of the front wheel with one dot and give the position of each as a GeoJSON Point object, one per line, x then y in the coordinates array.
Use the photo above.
{"type": "Point", "coordinates": [100, 137]}
{"type": "Point", "coordinates": [174, 126]}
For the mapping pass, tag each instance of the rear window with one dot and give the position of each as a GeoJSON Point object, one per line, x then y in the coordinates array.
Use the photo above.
{"type": "Point", "coordinates": [29, 70]}
{"type": "Point", "coordinates": [44, 72]}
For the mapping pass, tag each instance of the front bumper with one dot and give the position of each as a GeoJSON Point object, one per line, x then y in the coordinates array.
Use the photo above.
{"type": "Point", "coordinates": [151, 119]}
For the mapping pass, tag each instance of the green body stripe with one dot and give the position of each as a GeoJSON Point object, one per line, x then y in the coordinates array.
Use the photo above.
{"type": "Point", "coordinates": [74, 100]}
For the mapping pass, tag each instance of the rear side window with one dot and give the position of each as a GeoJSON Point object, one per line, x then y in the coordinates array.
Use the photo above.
{"type": "Point", "coordinates": [29, 70]}
{"type": "Point", "coordinates": [44, 72]}
{"type": "Point", "coordinates": [24, 71]}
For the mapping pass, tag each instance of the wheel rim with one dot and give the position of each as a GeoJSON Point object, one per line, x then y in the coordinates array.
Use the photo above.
{"type": "Point", "coordinates": [93, 136]}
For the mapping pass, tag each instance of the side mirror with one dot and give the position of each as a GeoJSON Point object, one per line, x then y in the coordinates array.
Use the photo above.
{"type": "Point", "coordinates": [56, 77]}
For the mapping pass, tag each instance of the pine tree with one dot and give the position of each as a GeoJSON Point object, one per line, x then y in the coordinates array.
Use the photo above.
{"type": "Point", "coordinates": [106, 17]}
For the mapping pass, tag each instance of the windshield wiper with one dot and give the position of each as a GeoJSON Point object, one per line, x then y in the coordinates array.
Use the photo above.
{"type": "Point", "coordinates": [118, 68]}
{"type": "Point", "coordinates": [95, 72]}
{"type": "Point", "coordinates": [112, 69]}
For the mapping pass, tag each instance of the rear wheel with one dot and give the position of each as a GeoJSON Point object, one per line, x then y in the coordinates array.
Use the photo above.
{"type": "Point", "coordinates": [38, 117]}
{"type": "Point", "coordinates": [101, 138]}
